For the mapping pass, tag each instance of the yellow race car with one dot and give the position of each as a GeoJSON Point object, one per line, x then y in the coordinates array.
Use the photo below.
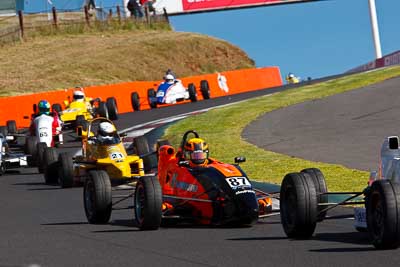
{"type": "Point", "coordinates": [105, 163]}
{"type": "Point", "coordinates": [83, 108]}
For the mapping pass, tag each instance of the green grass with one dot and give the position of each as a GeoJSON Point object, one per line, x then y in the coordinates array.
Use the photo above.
{"type": "Point", "coordinates": [222, 129]}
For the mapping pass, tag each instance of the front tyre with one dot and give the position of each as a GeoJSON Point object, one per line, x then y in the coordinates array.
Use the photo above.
{"type": "Point", "coordinates": [148, 203]}
{"type": "Point", "coordinates": [192, 92]}
{"type": "Point", "coordinates": [97, 197]}
{"type": "Point", "coordinates": [299, 205]}
{"type": "Point", "coordinates": [383, 214]}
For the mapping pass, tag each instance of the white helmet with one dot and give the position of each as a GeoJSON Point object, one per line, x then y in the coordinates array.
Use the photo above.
{"type": "Point", "coordinates": [79, 96]}
{"type": "Point", "coordinates": [291, 75]}
{"type": "Point", "coordinates": [169, 78]}
{"type": "Point", "coordinates": [106, 129]}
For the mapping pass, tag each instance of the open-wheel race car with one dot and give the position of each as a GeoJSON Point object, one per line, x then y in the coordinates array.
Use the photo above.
{"type": "Point", "coordinates": [104, 167]}
{"type": "Point", "coordinates": [202, 190]}
{"type": "Point", "coordinates": [83, 108]}
{"type": "Point", "coordinates": [171, 91]}
{"type": "Point", "coordinates": [304, 201]}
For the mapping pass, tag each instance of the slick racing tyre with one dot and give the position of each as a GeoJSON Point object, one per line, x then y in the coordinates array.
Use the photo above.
{"type": "Point", "coordinates": [299, 206]}
{"type": "Point", "coordinates": [192, 92]}
{"type": "Point", "coordinates": [97, 197]}
{"type": "Point", "coordinates": [50, 165]}
{"type": "Point", "coordinates": [56, 107]}
{"type": "Point", "coordinates": [135, 101]}
{"type": "Point", "coordinates": [205, 89]}
{"type": "Point", "coordinates": [148, 203]}
{"type": "Point", "coordinates": [31, 149]}
{"type": "Point", "coordinates": [112, 108]}
{"type": "Point", "coordinates": [80, 120]}
{"type": "Point", "coordinates": [66, 171]}
{"type": "Point", "coordinates": [3, 131]}
{"type": "Point", "coordinates": [12, 127]}
{"type": "Point", "coordinates": [102, 110]}
{"type": "Point", "coordinates": [40, 149]}
{"type": "Point", "coordinates": [151, 96]}
{"type": "Point", "coordinates": [320, 186]}
{"type": "Point", "coordinates": [383, 214]}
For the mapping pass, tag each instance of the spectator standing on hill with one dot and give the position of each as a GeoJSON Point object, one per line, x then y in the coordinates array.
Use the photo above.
{"type": "Point", "coordinates": [90, 4]}
{"type": "Point", "coordinates": [135, 8]}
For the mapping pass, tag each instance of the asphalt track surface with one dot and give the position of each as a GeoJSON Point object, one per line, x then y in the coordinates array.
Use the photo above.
{"type": "Point", "coordinates": [346, 129]}
{"type": "Point", "coordinates": [46, 226]}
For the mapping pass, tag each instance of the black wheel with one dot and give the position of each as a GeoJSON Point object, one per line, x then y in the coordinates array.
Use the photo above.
{"type": "Point", "coordinates": [298, 204]}
{"type": "Point", "coordinates": [151, 95]}
{"type": "Point", "coordinates": [192, 92]}
{"type": "Point", "coordinates": [3, 131]}
{"type": "Point", "coordinates": [79, 120]}
{"type": "Point", "coordinates": [383, 214]}
{"type": "Point", "coordinates": [66, 170]}
{"type": "Point", "coordinates": [56, 107]}
{"type": "Point", "coordinates": [112, 108]}
{"type": "Point", "coordinates": [40, 156]}
{"type": "Point", "coordinates": [135, 100]}
{"type": "Point", "coordinates": [102, 110]}
{"type": "Point", "coordinates": [141, 145]}
{"type": "Point", "coordinates": [2, 168]}
{"type": "Point", "coordinates": [50, 165]}
{"type": "Point", "coordinates": [205, 89]}
{"type": "Point", "coordinates": [148, 201]}
{"type": "Point", "coordinates": [321, 188]}
{"type": "Point", "coordinates": [97, 197]}
{"type": "Point", "coordinates": [12, 127]}
{"type": "Point", "coordinates": [31, 149]}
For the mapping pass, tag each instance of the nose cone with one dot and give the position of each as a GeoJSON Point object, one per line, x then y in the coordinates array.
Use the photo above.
{"type": "Point", "coordinates": [247, 208]}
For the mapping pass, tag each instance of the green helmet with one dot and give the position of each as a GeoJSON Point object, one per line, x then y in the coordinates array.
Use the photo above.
{"type": "Point", "coordinates": [44, 107]}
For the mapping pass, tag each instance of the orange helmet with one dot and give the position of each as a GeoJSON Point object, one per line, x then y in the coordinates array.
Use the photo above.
{"type": "Point", "coordinates": [196, 151]}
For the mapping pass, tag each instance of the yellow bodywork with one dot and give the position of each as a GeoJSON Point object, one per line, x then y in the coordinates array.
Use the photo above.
{"type": "Point", "coordinates": [111, 158]}
{"type": "Point", "coordinates": [74, 109]}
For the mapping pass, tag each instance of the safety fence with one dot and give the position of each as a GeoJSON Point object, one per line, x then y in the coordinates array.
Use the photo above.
{"type": "Point", "coordinates": [220, 84]}
{"type": "Point", "coordinates": [21, 25]}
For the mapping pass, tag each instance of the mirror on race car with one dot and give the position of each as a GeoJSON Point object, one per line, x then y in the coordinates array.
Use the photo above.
{"type": "Point", "coordinates": [240, 159]}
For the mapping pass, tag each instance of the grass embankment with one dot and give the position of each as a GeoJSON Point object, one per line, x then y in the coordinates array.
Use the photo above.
{"type": "Point", "coordinates": [222, 129]}
{"type": "Point", "coordinates": [65, 60]}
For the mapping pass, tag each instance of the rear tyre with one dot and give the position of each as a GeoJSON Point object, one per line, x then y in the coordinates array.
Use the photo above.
{"type": "Point", "coordinates": [112, 108]}
{"type": "Point", "coordinates": [141, 145]}
{"type": "Point", "coordinates": [56, 107]}
{"type": "Point", "coordinates": [3, 131]}
{"type": "Point", "coordinates": [12, 127]}
{"type": "Point", "coordinates": [66, 170]}
{"type": "Point", "coordinates": [135, 100]}
{"type": "Point", "coordinates": [31, 149]}
{"type": "Point", "coordinates": [40, 156]}
{"type": "Point", "coordinates": [298, 204]}
{"type": "Point", "coordinates": [205, 89]}
{"type": "Point", "coordinates": [102, 110]}
{"type": "Point", "coordinates": [80, 120]}
{"type": "Point", "coordinates": [97, 197]}
{"type": "Point", "coordinates": [383, 214]}
{"type": "Point", "coordinates": [151, 96]}
{"type": "Point", "coordinates": [148, 203]}
{"type": "Point", "coordinates": [50, 165]}
{"type": "Point", "coordinates": [192, 92]}
{"type": "Point", "coordinates": [320, 186]}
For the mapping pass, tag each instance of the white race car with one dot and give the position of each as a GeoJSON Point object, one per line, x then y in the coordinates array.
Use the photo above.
{"type": "Point", "coordinates": [171, 92]}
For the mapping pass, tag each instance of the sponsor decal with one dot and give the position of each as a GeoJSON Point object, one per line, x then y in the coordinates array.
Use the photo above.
{"type": "Point", "coordinates": [222, 83]}
{"type": "Point", "coordinates": [245, 192]}
{"type": "Point", "coordinates": [183, 185]}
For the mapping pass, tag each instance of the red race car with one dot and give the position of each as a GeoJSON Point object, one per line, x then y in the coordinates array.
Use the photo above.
{"type": "Point", "coordinates": [203, 190]}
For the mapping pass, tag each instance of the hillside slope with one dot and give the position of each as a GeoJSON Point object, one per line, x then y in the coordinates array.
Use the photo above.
{"type": "Point", "coordinates": [65, 61]}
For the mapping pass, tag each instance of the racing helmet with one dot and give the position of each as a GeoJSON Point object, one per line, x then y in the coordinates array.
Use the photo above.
{"type": "Point", "coordinates": [169, 78]}
{"type": "Point", "coordinates": [79, 96]}
{"type": "Point", "coordinates": [291, 75]}
{"type": "Point", "coordinates": [106, 129]}
{"type": "Point", "coordinates": [44, 107]}
{"type": "Point", "coordinates": [196, 151]}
